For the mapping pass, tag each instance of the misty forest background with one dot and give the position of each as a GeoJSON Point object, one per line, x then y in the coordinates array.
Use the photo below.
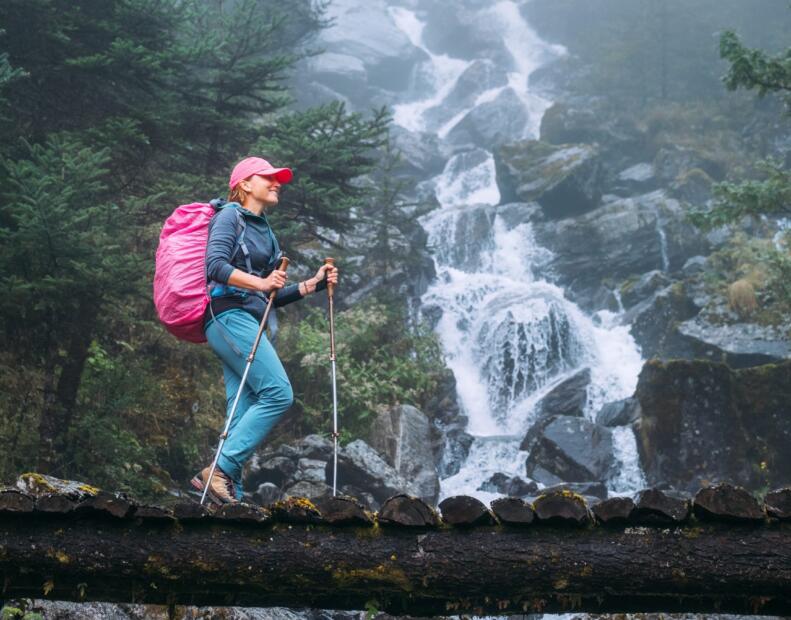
{"type": "Point", "coordinates": [114, 112]}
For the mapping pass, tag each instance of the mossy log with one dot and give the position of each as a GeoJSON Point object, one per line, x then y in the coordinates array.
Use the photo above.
{"type": "Point", "coordinates": [246, 556]}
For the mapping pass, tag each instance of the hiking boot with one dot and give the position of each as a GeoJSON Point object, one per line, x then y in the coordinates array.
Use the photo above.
{"type": "Point", "coordinates": [221, 491]}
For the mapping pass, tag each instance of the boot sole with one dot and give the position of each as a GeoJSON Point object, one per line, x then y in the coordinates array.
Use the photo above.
{"type": "Point", "coordinates": [197, 484]}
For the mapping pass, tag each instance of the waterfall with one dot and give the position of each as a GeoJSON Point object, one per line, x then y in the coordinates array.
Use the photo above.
{"type": "Point", "coordinates": [508, 334]}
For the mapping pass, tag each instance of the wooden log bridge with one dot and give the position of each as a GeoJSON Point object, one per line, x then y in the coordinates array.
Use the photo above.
{"type": "Point", "coordinates": [721, 551]}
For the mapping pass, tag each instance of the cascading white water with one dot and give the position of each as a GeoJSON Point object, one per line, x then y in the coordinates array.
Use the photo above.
{"type": "Point", "coordinates": [509, 335]}
{"type": "Point", "coordinates": [441, 71]}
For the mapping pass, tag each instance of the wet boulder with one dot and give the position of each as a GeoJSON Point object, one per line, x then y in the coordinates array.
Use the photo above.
{"type": "Point", "coordinates": [564, 179]}
{"type": "Point", "coordinates": [569, 449]}
{"type": "Point", "coordinates": [619, 412]}
{"type": "Point", "coordinates": [491, 122]}
{"type": "Point", "coordinates": [738, 344]}
{"type": "Point", "coordinates": [402, 435]}
{"type": "Point", "coordinates": [623, 238]}
{"type": "Point", "coordinates": [363, 467]}
{"type": "Point", "coordinates": [512, 486]}
{"type": "Point", "coordinates": [589, 120]}
{"type": "Point", "coordinates": [703, 422]}
{"type": "Point", "coordinates": [568, 397]}
{"type": "Point", "coordinates": [482, 75]}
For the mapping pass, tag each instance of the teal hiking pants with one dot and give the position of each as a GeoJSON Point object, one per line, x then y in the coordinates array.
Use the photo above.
{"type": "Point", "coordinates": [267, 393]}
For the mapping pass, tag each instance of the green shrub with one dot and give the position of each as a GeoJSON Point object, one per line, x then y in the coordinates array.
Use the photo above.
{"type": "Point", "coordinates": [382, 360]}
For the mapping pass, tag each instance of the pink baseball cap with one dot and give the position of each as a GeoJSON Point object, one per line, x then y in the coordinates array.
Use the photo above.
{"type": "Point", "coordinates": [255, 165]}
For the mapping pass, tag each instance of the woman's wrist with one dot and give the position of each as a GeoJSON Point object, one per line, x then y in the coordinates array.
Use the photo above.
{"type": "Point", "coordinates": [306, 287]}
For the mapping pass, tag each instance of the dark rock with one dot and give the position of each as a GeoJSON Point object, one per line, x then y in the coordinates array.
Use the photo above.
{"type": "Point", "coordinates": [643, 287]}
{"type": "Point", "coordinates": [402, 435]}
{"type": "Point", "coordinates": [568, 397]}
{"type": "Point", "coordinates": [693, 187]}
{"type": "Point", "coordinates": [361, 466]}
{"type": "Point", "coordinates": [463, 510]}
{"type": "Point", "coordinates": [482, 75]}
{"type": "Point", "coordinates": [619, 412]}
{"type": "Point", "coordinates": [311, 470]}
{"type": "Point", "coordinates": [506, 485]}
{"type": "Point", "coordinates": [343, 510]}
{"type": "Point", "coordinates": [267, 493]}
{"type": "Point", "coordinates": [455, 448]}
{"type": "Point", "coordinates": [614, 511]}
{"type": "Point", "coordinates": [315, 447]}
{"type": "Point", "coordinates": [562, 508]}
{"type": "Point", "coordinates": [276, 470]}
{"type": "Point", "coordinates": [726, 502]}
{"type": "Point", "coordinates": [591, 120]}
{"type": "Point", "coordinates": [620, 239]}
{"type": "Point", "coordinates": [407, 511]}
{"type": "Point", "coordinates": [572, 449]}
{"type": "Point", "coordinates": [694, 266]}
{"type": "Point", "coordinates": [739, 345]}
{"type": "Point", "coordinates": [704, 423]}
{"type": "Point", "coordinates": [653, 507]}
{"type": "Point", "coordinates": [654, 323]}
{"type": "Point", "coordinates": [637, 179]}
{"type": "Point", "coordinates": [513, 510]}
{"type": "Point", "coordinates": [491, 123]}
{"type": "Point", "coordinates": [565, 180]}
{"type": "Point", "coordinates": [308, 488]}
{"type": "Point", "coordinates": [672, 162]}
{"type": "Point", "coordinates": [420, 152]}
{"type": "Point", "coordinates": [778, 503]}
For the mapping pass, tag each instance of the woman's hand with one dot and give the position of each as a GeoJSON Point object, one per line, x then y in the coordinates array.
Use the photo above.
{"type": "Point", "coordinates": [328, 271]}
{"type": "Point", "coordinates": [274, 281]}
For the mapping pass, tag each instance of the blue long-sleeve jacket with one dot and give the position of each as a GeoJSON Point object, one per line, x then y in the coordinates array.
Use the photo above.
{"type": "Point", "coordinates": [223, 255]}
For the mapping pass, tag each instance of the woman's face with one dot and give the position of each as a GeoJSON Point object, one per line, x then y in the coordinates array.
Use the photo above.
{"type": "Point", "coordinates": [264, 189]}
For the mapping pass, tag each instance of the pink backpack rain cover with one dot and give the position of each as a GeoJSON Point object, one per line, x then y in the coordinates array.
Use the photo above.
{"type": "Point", "coordinates": [180, 294]}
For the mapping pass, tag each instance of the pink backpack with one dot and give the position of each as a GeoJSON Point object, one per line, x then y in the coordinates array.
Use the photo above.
{"type": "Point", "coordinates": [180, 293]}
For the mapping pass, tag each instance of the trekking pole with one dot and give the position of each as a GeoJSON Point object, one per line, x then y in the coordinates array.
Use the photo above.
{"type": "Point", "coordinates": [282, 267]}
{"type": "Point", "coordinates": [330, 294]}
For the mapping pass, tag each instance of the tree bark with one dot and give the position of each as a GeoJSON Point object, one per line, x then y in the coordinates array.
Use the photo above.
{"type": "Point", "coordinates": [253, 560]}
{"type": "Point", "coordinates": [59, 406]}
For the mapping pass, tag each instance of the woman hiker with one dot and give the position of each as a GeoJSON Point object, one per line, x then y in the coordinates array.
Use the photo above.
{"type": "Point", "coordinates": [232, 319]}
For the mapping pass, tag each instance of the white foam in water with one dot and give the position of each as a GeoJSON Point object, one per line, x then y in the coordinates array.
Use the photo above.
{"type": "Point", "coordinates": [529, 52]}
{"type": "Point", "coordinates": [442, 71]}
{"type": "Point", "coordinates": [462, 185]}
{"type": "Point", "coordinates": [487, 310]}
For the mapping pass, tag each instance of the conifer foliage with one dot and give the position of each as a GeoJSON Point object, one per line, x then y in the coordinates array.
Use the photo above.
{"type": "Point", "coordinates": [113, 112]}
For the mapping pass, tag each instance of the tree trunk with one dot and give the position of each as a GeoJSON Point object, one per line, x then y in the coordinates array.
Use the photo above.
{"type": "Point", "coordinates": [59, 406]}
{"type": "Point", "coordinates": [86, 555]}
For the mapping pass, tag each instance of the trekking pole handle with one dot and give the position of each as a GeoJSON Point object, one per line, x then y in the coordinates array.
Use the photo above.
{"type": "Point", "coordinates": [330, 287]}
{"type": "Point", "coordinates": [284, 262]}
